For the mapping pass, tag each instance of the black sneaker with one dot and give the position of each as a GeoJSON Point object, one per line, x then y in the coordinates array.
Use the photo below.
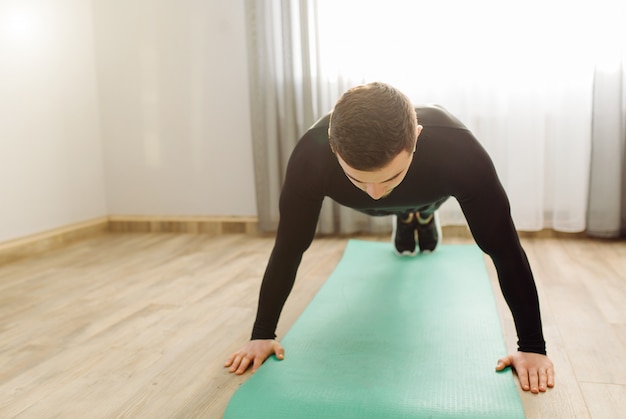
{"type": "Point", "coordinates": [428, 234]}
{"type": "Point", "coordinates": [403, 236]}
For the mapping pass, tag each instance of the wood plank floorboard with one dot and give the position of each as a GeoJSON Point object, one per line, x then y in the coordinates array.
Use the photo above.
{"type": "Point", "coordinates": [127, 325]}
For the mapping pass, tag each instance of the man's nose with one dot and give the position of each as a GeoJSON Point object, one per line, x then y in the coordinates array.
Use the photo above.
{"type": "Point", "coordinates": [375, 190]}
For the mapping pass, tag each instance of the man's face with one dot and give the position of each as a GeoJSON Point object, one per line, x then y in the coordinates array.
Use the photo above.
{"type": "Point", "coordinates": [379, 183]}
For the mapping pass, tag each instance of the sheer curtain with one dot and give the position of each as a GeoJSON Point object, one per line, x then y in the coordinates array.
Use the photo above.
{"type": "Point", "coordinates": [524, 78]}
{"type": "Point", "coordinates": [607, 191]}
{"type": "Point", "coordinates": [289, 92]}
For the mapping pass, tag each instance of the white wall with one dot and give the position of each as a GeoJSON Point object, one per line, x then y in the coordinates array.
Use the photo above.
{"type": "Point", "coordinates": [51, 170]}
{"type": "Point", "coordinates": [122, 107]}
{"type": "Point", "coordinates": [173, 86]}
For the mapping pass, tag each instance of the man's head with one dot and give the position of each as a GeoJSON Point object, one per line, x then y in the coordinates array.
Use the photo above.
{"type": "Point", "coordinates": [371, 124]}
{"type": "Point", "coordinates": [373, 131]}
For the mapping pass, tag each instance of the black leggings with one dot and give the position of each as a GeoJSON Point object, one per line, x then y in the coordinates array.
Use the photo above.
{"type": "Point", "coordinates": [425, 211]}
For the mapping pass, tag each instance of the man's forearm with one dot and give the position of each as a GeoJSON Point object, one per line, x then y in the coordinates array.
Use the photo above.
{"type": "Point", "coordinates": [277, 283]}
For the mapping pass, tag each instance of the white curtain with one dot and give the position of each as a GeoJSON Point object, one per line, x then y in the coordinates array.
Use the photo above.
{"type": "Point", "coordinates": [519, 74]}
{"type": "Point", "coordinates": [607, 192]}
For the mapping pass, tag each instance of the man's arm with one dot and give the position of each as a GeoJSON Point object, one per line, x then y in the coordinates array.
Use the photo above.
{"type": "Point", "coordinates": [295, 233]}
{"type": "Point", "coordinates": [300, 204]}
{"type": "Point", "coordinates": [486, 207]}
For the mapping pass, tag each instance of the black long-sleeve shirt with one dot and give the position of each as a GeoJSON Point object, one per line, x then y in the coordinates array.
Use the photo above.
{"type": "Point", "coordinates": [448, 161]}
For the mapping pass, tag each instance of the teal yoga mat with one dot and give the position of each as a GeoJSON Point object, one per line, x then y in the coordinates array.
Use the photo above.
{"type": "Point", "coordinates": [390, 337]}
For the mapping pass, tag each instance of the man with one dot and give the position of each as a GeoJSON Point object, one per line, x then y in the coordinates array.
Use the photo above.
{"type": "Point", "coordinates": [371, 154]}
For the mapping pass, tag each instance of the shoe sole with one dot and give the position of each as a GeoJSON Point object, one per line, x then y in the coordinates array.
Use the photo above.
{"type": "Point", "coordinates": [405, 253]}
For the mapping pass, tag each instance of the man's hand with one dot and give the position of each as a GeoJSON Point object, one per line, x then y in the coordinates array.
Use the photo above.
{"type": "Point", "coordinates": [535, 371]}
{"type": "Point", "coordinates": [254, 353]}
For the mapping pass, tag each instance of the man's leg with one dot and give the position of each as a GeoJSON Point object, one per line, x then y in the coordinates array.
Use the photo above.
{"type": "Point", "coordinates": [428, 231]}
{"type": "Point", "coordinates": [403, 235]}
{"type": "Point", "coordinates": [428, 227]}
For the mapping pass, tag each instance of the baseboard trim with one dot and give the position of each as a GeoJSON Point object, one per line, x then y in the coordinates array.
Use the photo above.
{"type": "Point", "coordinates": [215, 225]}
{"type": "Point", "coordinates": [464, 232]}
{"type": "Point", "coordinates": [41, 242]}
{"type": "Point", "coordinates": [35, 244]}
{"type": "Point", "coordinates": [209, 225]}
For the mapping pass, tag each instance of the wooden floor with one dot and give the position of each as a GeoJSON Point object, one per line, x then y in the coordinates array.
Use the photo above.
{"type": "Point", "coordinates": [139, 325]}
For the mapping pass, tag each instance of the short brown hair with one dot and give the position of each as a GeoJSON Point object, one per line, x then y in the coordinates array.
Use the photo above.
{"type": "Point", "coordinates": [371, 124]}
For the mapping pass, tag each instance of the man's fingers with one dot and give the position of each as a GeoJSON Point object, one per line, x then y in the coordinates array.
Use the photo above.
{"type": "Point", "coordinates": [253, 354]}
{"type": "Point", "coordinates": [535, 372]}
{"type": "Point", "coordinates": [256, 364]}
{"type": "Point", "coordinates": [243, 366]}
{"type": "Point", "coordinates": [503, 363]}
{"type": "Point", "coordinates": [533, 380]}
{"type": "Point", "coordinates": [550, 377]}
{"type": "Point", "coordinates": [238, 363]}
{"type": "Point", "coordinates": [522, 375]}
{"type": "Point", "coordinates": [546, 379]}
{"type": "Point", "coordinates": [230, 360]}
{"type": "Point", "coordinates": [543, 380]}
{"type": "Point", "coordinates": [279, 351]}
{"type": "Point", "coordinates": [234, 362]}
{"type": "Point", "coordinates": [523, 380]}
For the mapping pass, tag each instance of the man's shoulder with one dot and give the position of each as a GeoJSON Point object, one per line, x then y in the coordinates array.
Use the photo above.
{"type": "Point", "coordinates": [311, 164]}
{"type": "Point", "coordinates": [322, 123]}
{"type": "Point", "coordinates": [315, 139]}
{"type": "Point", "coordinates": [312, 151]}
{"type": "Point", "coordinates": [433, 115]}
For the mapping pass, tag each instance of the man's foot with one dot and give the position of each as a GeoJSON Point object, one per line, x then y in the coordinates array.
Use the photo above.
{"type": "Point", "coordinates": [428, 233]}
{"type": "Point", "coordinates": [403, 235]}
